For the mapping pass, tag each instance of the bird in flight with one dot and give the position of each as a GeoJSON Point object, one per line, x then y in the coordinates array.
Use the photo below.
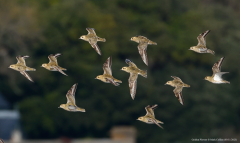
{"type": "Point", "coordinates": [202, 47]}
{"type": "Point", "coordinates": [71, 105]}
{"type": "Point", "coordinates": [217, 74]}
{"type": "Point", "coordinates": [178, 84]}
{"type": "Point", "coordinates": [92, 38]}
{"type": "Point", "coordinates": [53, 64]}
{"type": "Point", "coordinates": [142, 46]}
{"type": "Point", "coordinates": [149, 118]}
{"type": "Point", "coordinates": [21, 67]}
{"type": "Point", "coordinates": [107, 74]}
{"type": "Point", "coordinates": [134, 72]}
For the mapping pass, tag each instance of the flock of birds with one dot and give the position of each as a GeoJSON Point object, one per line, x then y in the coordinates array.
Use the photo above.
{"type": "Point", "coordinates": [134, 71]}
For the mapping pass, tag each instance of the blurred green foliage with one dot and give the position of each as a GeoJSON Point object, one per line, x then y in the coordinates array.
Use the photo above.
{"type": "Point", "coordinates": [41, 28]}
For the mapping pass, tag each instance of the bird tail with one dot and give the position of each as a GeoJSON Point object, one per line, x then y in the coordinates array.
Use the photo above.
{"type": "Point", "coordinates": [101, 39]}
{"type": "Point", "coordinates": [63, 69]}
{"type": "Point", "coordinates": [143, 73]}
{"type": "Point", "coordinates": [81, 109]}
{"type": "Point", "coordinates": [159, 121]}
{"type": "Point", "coordinates": [152, 43]}
{"type": "Point", "coordinates": [186, 85]}
{"type": "Point", "coordinates": [116, 80]}
{"type": "Point", "coordinates": [30, 69]}
{"type": "Point", "coordinates": [226, 82]}
{"type": "Point", "coordinates": [210, 51]}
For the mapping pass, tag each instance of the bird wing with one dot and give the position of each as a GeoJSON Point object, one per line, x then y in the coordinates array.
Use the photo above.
{"type": "Point", "coordinates": [154, 121]}
{"type": "Point", "coordinates": [176, 78]}
{"type": "Point", "coordinates": [178, 93]}
{"type": "Point", "coordinates": [71, 94]}
{"type": "Point", "coordinates": [132, 81]}
{"type": "Point", "coordinates": [142, 49]}
{"type": "Point", "coordinates": [107, 66]}
{"type": "Point", "coordinates": [149, 109]}
{"type": "Point", "coordinates": [130, 63]}
{"type": "Point", "coordinates": [217, 66]}
{"type": "Point", "coordinates": [58, 69]}
{"type": "Point", "coordinates": [26, 75]}
{"type": "Point", "coordinates": [93, 43]}
{"type": "Point", "coordinates": [1, 141]}
{"type": "Point", "coordinates": [218, 76]}
{"type": "Point", "coordinates": [112, 81]}
{"type": "Point", "coordinates": [21, 60]}
{"type": "Point", "coordinates": [202, 38]}
{"type": "Point", "coordinates": [91, 31]}
{"type": "Point", "coordinates": [53, 58]}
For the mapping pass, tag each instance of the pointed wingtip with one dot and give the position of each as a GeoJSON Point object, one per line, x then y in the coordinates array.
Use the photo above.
{"type": "Point", "coordinates": [127, 61]}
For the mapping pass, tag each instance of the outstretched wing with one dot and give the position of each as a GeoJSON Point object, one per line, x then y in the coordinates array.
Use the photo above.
{"type": "Point", "coordinates": [71, 94]}
{"type": "Point", "coordinates": [132, 81]}
{"type": "Point", "coordinates": [154, 121]}
{"type": "Point", "coordinates": [93, 43]}
{"type": "Point", "coordinates": [176, 78]}
{"type": "Point", "coordinates": [107, 66]}
{"type": "Point", "coordinates": [112, 81]}
{"type": "Point", "coordinates": [130, 63]}
{"type": "Point", "coordinates": [53, 58]}
{"type": "Point", "coordinates": [1, 141]}
{"type": "Point", "coordinates": [217, 66]}
{"type": "Point", "coordinates": [26, 75]}
{"type": "Point", "coordinates": [91, 31]}
{"type": "Point", "coordinates": [149, 109]}
{"type": "Point", "coordinates": [178, 93]}
{"type": "Point", "coordinates": [58, 69]}
{"type": "Point", "coordinates": [21, 60]}
{"type": "Point", "coordinates": [142, 49]}
{"type": "Point", "coordinates": [202, 38]}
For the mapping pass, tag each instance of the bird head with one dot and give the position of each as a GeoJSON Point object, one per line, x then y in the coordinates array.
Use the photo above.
{"type": "Point", "coordinates": [62, 106]}
{"type": "Point", "coordinates": [207, 78]}
{"type": "Point", "coordinates": [44, 65]}
{"type": "Point", "coordinates": [143, 119]}
{"type": "Point", "coordinates": [192, 48]}
{"type": "Point", "coordinates": [99, 77]}
{"type": "Point", "coordinates": [83, 37]}
{"type": "Point", "coordinates": [12, 66]}
{"type": "Point", "coordinates": [135, 39]}
{"type": "Point", "coordinates": [168, 83]}
{"type": "Point", "coordinates": [125, 69]}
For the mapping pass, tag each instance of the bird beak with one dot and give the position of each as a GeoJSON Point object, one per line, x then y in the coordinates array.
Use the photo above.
{"type": "Point", "coordinates": [59, 107]}
{"type": "Point", "coordinates": [165, 84]}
